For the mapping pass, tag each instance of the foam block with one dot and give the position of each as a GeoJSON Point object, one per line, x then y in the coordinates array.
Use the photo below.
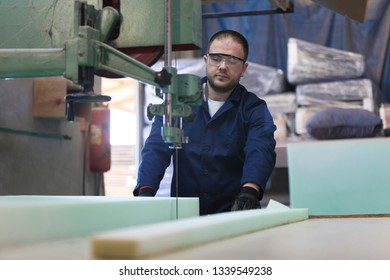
{"type": "Point", "coordinates": [146, 241]}
{"type": "Point", "coordinates": [340, 177]}
{"type": "Point", "coordinates": [28, 219]}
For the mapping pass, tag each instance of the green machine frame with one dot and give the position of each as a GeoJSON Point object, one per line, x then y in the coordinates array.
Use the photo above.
{"type": "Point", "coordinates": [72, 39]}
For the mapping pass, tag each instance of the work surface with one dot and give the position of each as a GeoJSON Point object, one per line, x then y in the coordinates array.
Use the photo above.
{"type": "Point", "coordinates": [315, 238]}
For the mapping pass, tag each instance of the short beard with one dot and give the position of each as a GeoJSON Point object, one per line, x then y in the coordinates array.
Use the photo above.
{"type": "Point", "coordinates": [222, 89]}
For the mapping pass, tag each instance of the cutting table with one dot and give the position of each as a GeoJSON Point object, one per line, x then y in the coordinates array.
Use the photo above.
{"type": "Point", "coordinates": [308, 237]}
{"type": "Point", "coordinates": [352, 238]}
{"type": "Point", "coordinates": [314, 239]}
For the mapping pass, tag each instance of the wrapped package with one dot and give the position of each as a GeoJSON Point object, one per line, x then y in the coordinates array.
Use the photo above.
{"type": "Point", "coordinates": [281, 103]}
{"type": "Point", "coordinates": [261, 79]}
{"type": "Point", "coordinates": [332, 92]}
{"type": "Point", "coordinates": [309, 62]}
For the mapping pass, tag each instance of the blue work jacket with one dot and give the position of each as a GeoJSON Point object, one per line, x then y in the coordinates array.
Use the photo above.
{"type": "Point", "coordinates": [224, 152]}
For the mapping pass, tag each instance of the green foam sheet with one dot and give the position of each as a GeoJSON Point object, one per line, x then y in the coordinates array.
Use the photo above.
{"type": "Point", "coordinates": [27, 219]}
{"type": "Point", "coordinates": [340, 177]}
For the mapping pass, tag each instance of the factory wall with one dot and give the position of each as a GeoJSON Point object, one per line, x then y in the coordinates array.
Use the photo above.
{"type": "Point", "coordinates": [33, 161]}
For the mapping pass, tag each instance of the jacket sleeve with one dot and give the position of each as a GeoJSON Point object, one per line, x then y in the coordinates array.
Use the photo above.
{"type": "Point", "coordinates": [155, 158]}
{"type": "Point", "coordinates": [260, 145]}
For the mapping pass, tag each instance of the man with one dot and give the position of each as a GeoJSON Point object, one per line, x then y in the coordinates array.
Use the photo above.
{"type": "Point", "coordinates": [231, 149]}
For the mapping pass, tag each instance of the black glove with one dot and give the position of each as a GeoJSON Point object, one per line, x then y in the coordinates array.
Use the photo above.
{"type": "Point", "coordinates": [147, 191]}
{"type": "Point", "coordinates": [248, 198]}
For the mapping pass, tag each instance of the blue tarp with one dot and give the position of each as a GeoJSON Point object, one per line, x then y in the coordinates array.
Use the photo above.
{"type": "Point", "coordinates": [268, 34]}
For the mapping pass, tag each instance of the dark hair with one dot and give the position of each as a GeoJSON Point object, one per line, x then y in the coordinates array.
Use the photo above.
{"type": "Point", "coordinates": [236, 36]}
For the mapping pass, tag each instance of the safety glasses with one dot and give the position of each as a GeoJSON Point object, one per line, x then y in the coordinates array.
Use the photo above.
{"type": "Point", "coordinates": [216, 59]}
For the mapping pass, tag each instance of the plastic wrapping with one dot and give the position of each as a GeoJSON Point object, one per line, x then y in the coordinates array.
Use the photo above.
{"type": "Point", "coordinates": [281, 103]}
{"type": "Point", "coordinates": [262, 80]}
{"type": "Point", "coordinates": [329, 93]}
{"type": "Point", "coordinates": [309, 62]}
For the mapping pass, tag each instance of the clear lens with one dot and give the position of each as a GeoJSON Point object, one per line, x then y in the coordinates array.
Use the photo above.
{"type": "Point", "coordinates": [217, 59]}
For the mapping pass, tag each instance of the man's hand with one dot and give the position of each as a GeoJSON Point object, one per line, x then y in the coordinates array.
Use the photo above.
{"type": "Point", "coordinates": [146, 191]}
{"type": "Point", "coordinates": [248, 198]}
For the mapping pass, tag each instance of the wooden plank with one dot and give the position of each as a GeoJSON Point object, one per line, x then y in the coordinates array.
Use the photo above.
{"type": "Point", "coordinates": [145, 241]}
{"type": "Point", "coordinates": [49, 100]}
{"type": "Point", "coordinates": [49, 94]}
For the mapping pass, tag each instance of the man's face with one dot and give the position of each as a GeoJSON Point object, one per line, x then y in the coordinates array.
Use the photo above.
{"type": "Point", "coordinates": [225, 69]}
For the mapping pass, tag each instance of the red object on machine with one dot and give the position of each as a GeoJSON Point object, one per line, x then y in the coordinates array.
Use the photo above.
{"type": "Point", "coordinates": [99, 146]}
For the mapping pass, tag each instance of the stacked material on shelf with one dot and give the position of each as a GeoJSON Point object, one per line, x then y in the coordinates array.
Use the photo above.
{"type": "Point", "coordinates": [327, 78]}
{"type": "Point", "coordinates": [315, 97]}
